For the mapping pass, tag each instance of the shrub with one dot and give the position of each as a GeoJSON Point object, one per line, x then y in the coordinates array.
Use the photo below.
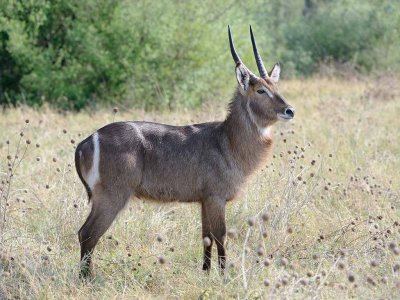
{"type": "Point", "coordinates": [344, 31]}
{"type": "Point", "coordinates": [162, 54]}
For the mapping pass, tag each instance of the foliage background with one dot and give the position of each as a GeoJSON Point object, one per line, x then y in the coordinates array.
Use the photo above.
{"type": "Point", "coordinates": [331, 189]}
{"type": "Point", "coordinates": [168, 54]}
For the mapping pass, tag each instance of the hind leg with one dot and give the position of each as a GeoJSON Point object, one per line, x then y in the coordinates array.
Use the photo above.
{"type": "Point", "coordinates": [105, 208]}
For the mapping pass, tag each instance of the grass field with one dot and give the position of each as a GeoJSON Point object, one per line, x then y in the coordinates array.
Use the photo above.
{"type": "Point", "coordinates": [331, 192]}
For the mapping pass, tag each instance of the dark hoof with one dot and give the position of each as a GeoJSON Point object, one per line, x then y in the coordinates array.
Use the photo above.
{"type": "Point", "coordinates": [85, 273]}
{"type": "Point", "coordinates": [206, 267]}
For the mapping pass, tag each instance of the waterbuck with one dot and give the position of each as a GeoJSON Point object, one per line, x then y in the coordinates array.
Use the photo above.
{"type": "Point", "coordinates": [207, 163]}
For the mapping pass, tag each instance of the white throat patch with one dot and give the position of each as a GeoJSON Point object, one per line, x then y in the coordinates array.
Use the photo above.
{"type": "Point", "coordinates": [265, 132]}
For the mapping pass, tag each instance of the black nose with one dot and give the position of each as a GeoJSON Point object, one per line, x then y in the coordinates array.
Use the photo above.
{"type": "Point", "coordinates": [289, 111]}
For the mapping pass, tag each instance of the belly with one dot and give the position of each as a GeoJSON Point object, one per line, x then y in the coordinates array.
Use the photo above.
{"type": "Point", "coordinates": [167, 194]}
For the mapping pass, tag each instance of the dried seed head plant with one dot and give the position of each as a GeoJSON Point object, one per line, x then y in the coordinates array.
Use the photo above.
{"type": "Point", "coordinates": [304, 242]}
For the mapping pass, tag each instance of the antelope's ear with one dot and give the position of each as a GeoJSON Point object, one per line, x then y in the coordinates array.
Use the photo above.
{"type": "Point", "coordinates": [243, 77]}
{"type": "Point", "coordinates": [275, 73]}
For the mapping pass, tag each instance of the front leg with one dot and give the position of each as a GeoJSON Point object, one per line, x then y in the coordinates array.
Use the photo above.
{"type": "Point", "coordinates": [214, 228]}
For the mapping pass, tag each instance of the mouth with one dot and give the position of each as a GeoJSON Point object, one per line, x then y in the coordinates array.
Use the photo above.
{"type": "Point", "coordinates": [285, 118]}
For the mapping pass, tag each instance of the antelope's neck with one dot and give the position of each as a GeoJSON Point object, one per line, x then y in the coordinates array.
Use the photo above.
{"type": "Point", "coordinates": [250, 144]}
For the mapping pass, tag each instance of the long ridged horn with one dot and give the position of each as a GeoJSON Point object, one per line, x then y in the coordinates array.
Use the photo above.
{"type": "Point", "coordinates": [235, 56]}
{"type": "Point", "coordinates": [260, 65]}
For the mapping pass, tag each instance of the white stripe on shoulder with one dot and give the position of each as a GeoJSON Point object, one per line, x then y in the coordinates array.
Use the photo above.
{"type": "Point", "coordinates": [94, 174]}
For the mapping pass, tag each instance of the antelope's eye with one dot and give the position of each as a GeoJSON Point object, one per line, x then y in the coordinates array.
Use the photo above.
{"type": "Point", "coordinates": [261, 91]}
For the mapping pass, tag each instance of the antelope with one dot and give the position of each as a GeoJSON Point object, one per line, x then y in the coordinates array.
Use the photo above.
{"type": "Point", "coordinates": [208, 163]}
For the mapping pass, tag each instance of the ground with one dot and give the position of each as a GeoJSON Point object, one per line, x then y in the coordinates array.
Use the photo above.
{"type": "Point", "coordinates": [330, 198]}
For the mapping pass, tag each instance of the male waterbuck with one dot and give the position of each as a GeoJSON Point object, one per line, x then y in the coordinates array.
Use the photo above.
{"type": "Point", "coordinates": [207, 163]}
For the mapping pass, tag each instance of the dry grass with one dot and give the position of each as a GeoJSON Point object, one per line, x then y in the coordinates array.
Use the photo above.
{"type": "Point", "coordinates": [329, 197]}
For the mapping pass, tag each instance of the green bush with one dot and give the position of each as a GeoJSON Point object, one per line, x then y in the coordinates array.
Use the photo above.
{"type": "Point", "coordinates": [355, 32]}
{"type": "Point", "coordinates": [67, 52]}
{"type": "Point", "coordinates": [163, 54]}
{"type": "Point", "coordinates": [77, 53]}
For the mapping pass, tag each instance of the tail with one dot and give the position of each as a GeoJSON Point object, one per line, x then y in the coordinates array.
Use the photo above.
{"type": "Point", "coordinates": [78, 152]}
